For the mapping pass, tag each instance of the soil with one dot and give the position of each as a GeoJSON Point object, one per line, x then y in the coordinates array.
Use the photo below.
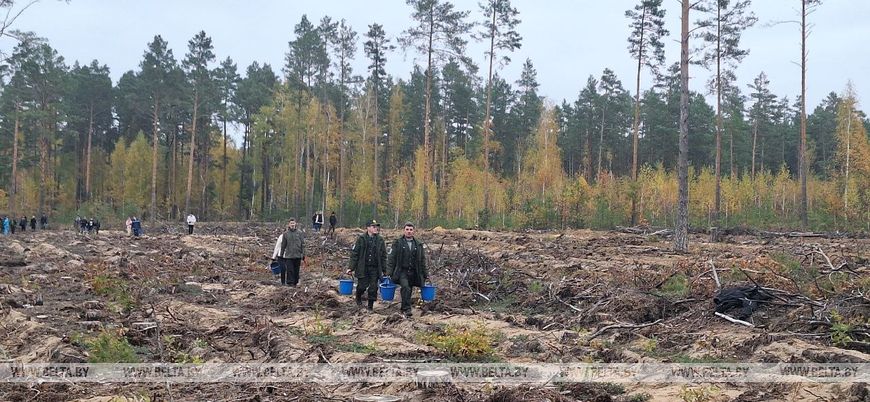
{"type": "Point", "coordinates": [551, 297]}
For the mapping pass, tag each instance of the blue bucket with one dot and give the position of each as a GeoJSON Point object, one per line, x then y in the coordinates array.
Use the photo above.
{"type": "Point", "coordinates": [345, 286]}
{"type": "Point", "coordinates": [427, 292]}
{"type": "Point", "coordinates": [275, 267]}
{"type": "Point", "coordinates": [388, 292]}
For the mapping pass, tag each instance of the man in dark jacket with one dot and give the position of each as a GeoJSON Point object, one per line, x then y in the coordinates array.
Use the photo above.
{"type": "Point", "coordinates": [368, 261]}
{"type": "Point", "coordinates": [406, 265]}
{"type": "Point", "coordinates": [290, 252]}
{"type": "Point", "coordinates": [332, 221]}
{"type": "Point", "coordinates": [33, 222]}
{"type": "Point", "coordinates": [23, 224]}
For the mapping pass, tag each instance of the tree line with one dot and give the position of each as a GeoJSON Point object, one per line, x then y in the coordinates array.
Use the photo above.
{"type": "Point", "coordinates": [447, 144]}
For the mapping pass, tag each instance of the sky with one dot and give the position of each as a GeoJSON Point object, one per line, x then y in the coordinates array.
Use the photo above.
{"type": "Point", "coordinates": [567, 40]}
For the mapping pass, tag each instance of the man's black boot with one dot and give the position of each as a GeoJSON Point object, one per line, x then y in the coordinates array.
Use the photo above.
{"type": "Point", "coordinates": [371, 305]}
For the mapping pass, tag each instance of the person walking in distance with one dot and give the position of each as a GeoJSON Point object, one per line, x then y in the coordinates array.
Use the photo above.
{"type": "Point", "coordinates": [332, 221]}
{"type": "Point", "coordinates": [317, 221]}
{"type": "Point", "coordinates": [191, 220]}
{"type": "Point", "coordinates": [406, 265]}
{"type": "Point", "coordinates": [368, 262]}
{"type": "Point", "coordinates": [290, 252]}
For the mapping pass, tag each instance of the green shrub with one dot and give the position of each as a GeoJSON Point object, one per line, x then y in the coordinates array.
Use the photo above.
{"type": "Point", "coordinates": [115, 289]}
{"type": "Point", "coordinates": [676, 286]}
{"type": "Point", "coordinates": [462, 343]}
{"type": "Point", "coordinates": [356, 347]}
{"type": "Point", "coordinates": [840, 329]}
{"type": "Point", "coordinates": [110, 348]}
{"type": "Point", "coordinates": [536, 287]}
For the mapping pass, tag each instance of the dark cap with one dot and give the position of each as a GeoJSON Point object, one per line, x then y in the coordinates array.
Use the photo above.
{"type": "Point", "coordinates": [373, 223]}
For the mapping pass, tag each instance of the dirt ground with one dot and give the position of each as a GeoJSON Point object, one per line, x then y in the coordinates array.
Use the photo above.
{"type": "Point", "coordinates": [550, 297]}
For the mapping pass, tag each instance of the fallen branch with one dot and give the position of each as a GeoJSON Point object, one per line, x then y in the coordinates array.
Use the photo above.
{"type": "Point", "coordinates": [734, 320]}
{"type": "Point", "coordinates": [621, 326]}
{"type": "Point", "coordinates": [715, 275]}
{"type": "Point", "coordinates": [567, 304]}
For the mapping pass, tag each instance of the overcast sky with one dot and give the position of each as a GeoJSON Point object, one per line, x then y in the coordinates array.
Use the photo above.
{"type": "Point", "coordinates": [567, 40]}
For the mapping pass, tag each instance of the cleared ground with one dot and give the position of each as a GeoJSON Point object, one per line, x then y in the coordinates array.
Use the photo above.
{"type": "Point", "coordinates": [572, 296]}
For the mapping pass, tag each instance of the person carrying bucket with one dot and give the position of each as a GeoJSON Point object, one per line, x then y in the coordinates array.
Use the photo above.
{"type": "Point", "coordinates": [406, 265]}
{"type": "Point", "coordinates": [290, 252]}
{"type": "Point", "coordinates": [368, 262]}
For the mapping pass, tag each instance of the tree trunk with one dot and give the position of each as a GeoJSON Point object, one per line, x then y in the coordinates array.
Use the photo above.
{"type": "Point", "coordinates": [192, 150]}
{"type": "Point", "coordinates": [803, 165]}
{"type": "Point", "coordinates": [88, 157]}
{"type": "Point", "coordinates": [376, 138]}
{"type": "Point", "coordinates": [717, 205]}
{"type": "Point", "coordinates": [681, 231]}
{"type": "Point", "coordinates": [43, 168]}
{"type": "Point", "coordinates": [155, 124]}
{"type": "Point", "coordinates": [636, 126]}
{"type": "Point", "coordinates": [264, 181]}
{"type": "Point", "coordinates": [341, 167]}
{"type": "Point", "coordinates": [243, 172]}
{"type": "Point", "coordinates": [754, 142]}
{"type": "Point", "coordinates": [731, 154]}
{"type": "Point", "coordinates": [601, 143]}
{"type": "Point", "coordinates": [487, 125]}
{"type": "Point", "coordinates": [13, 188]}
{"type": "Point", "coordinates": [173, 176]}
{"type": "Point", "coordinates": [298, 152]}
{"type": "Point", "coordinates": [309, 192]}
{"type": "Point", "coordinates": [848, 152]}
{"type": "Point", "coordinates": [587, 158]}
{"type": "Point", "coordinates": [224, 179]}
{"type": "Point", "coordinates": [205, 160]}
{"type": "Point", "coordinates": [427, 111]}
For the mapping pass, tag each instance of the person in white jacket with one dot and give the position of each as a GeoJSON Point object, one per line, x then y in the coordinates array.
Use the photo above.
{"type": "Point", "coordinates": [191, 220]}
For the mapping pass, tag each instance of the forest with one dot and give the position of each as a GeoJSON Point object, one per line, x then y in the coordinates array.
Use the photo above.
{"type": "Point", "coordinates": [453, 142]}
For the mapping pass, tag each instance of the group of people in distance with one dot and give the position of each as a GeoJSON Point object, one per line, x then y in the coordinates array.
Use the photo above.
{"type": "Point", "coordinates": [317, 222]}
{"type": "Point", "coordinates": [134, 226]}
{"type": "Point", "coordinates": [370, 261]}
{"type": "Point", "coordinates": [85, 225]}
{"type": "Point", "coordinates": [8, 225]}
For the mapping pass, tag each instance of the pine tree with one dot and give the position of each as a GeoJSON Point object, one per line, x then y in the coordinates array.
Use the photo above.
{"type": "Point", "coordinates": [40, 74]}
{"type": "Point", "coordinates": [158, 66]}
{"type": "Point", "coordinates": [645, 45]}
{"type": "Point", "coordinates": [89, 111]}
{"type": "Point", "coordinates": [526, 113]}
{"type": "Point", "coordinates": [199, 77]}
{"type": "Point", "coordinates": [227, 81]}
{"type": "Point", "coordinates": [438, 33]}
{"type": "Point", "coordinates": [500, 28]}
{"type": "Point", "coordinates": [853, 154]}
{"type": "Point", "coordinates": [807, 7]}
{"type": "Point", "coordinates": [760, 112]}
{"type": "Point", "coordinates": [681, 229]}
{"type": "Point", "coordinates": [254, 91]}
{"type": "Point", "coordinates": [722, 31]}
